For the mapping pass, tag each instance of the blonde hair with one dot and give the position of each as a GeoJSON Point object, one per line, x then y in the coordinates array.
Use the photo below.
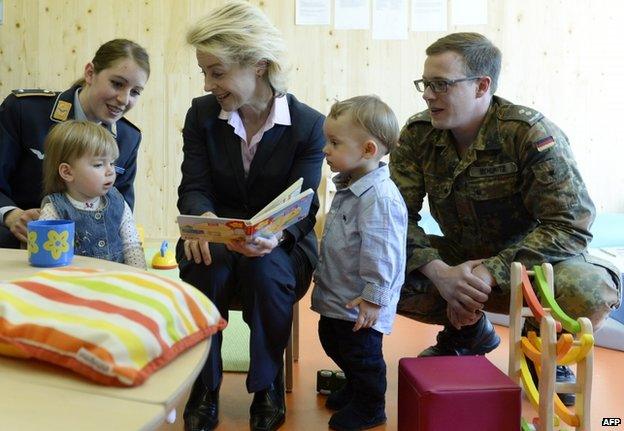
{"type": "Point", "coordinates": [373, 115]}
{"type": "Point", "coordinates": [118, 49]}
{"type": "Point", "coordinates": [239, 33]}
{"type": "Point", "coordinates": [70, 141]}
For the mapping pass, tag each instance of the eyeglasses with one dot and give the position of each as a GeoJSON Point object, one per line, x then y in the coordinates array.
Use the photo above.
{"type": "Point", "coordinates": [440, 85]}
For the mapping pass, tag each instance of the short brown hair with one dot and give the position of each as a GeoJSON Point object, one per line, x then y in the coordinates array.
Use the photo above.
{"type": "Point", "coordinates": [481, 57]}
{"type": "Point", "coordinates": [68, 142]}
{"type": "Point", "coordinates": [118, 49]}
{"type": "Point", "coordinates": [373, 115]}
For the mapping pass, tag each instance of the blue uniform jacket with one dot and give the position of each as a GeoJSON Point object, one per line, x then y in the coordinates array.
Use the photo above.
{"type": "Point", "coordinates": [25, 119]}
{"type": "Point", "coordinates": [213, 177]}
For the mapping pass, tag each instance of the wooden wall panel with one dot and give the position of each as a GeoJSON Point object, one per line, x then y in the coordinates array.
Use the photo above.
{"type": "Point", "coordinates": [560, 57]}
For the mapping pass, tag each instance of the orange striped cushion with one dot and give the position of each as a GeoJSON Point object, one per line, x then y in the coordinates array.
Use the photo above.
{"type": "Point", "coordinates": [114, 327]}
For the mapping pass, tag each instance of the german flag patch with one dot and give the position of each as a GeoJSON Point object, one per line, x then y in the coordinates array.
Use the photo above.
{"type": "Point", "coordinates": [544, 144]}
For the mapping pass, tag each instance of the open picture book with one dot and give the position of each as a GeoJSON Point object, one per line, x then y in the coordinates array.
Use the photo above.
{"type": "Point", "coordinates": [285, 210]}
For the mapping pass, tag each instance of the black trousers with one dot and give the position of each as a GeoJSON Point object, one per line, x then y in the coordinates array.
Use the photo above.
{"type": "Point", "coordinates": [7, 240]}
{"type": "Point", "coordinates": [266, 288]}
{"type": "Point", "coordinates": [359, 355]}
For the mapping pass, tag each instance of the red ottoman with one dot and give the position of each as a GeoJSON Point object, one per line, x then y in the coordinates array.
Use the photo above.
{"type": "Point", "coordinates": [448, 393]}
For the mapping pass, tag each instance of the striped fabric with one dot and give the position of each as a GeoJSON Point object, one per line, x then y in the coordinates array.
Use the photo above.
{"type": "Point", "coordinates": [114, 327]}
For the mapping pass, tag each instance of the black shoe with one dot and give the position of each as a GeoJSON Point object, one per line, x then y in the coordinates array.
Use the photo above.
{"type": "Point", "coordinates": [268, 408]}
{"type": "Point", "coordinates": [202, 409]}
{"type": "Point", "coordinates": [563, 374]}
{"type": "Point", "coordinates": [340, 398]}
{"type": "Point", "coordinates": [350, 418]}
{"type": "Point", "coordinates": [477, 339]}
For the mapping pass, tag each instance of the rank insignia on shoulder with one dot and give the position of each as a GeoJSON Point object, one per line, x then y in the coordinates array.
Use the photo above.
{"type": "Point", "coordinates": [24, 92]}
{"type": "Point", "coordinates": [519, 113]}
{"type": "Point", "coordinates": [61, 111]}
{"type": "Point", "coordinates": [544, 144]}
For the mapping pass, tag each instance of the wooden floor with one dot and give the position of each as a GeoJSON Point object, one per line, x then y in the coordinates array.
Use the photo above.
{"type": "Point", "coordinates": [306, 411]}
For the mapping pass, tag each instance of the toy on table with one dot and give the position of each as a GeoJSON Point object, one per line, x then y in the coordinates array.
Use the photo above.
{"type": "Point", "coordinates": [164, 258]}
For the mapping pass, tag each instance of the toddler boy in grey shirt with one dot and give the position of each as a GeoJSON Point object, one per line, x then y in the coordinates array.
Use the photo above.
{"type": "Point", "coordinates": [362, 259]}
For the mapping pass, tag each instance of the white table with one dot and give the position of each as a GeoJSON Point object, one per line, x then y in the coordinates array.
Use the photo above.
{"type": "Point", "coordinates": [35, 395]}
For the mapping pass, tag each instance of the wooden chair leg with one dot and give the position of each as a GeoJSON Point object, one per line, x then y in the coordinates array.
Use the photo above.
{"type": "Point", "coordinates": [292, 349]}
{"type": "Point", "coordinates": [295, 332]}
{"type": "Point", "coordinates": [288, 364]}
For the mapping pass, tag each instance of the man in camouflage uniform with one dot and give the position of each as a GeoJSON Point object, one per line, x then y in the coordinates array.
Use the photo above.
{"type": "Point", "coordinates": [503, 186]}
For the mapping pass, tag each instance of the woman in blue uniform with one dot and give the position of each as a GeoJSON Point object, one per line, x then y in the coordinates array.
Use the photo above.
{"type": "Point", "coordinates": [112, 84]}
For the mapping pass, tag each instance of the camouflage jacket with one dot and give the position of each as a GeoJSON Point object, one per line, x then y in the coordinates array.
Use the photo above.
{"type": "Point", "coordinates": [517, 195]}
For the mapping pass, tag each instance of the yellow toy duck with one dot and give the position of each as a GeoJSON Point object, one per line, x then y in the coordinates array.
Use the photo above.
{"type": "Point", "coordinates": [165, 258]}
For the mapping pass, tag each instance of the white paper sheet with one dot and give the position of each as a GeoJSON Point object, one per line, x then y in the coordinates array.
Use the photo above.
{"type": "Point", "coordinates": [312, 12]}
{"type": "Point", "coordinates": [352, 14]}
{"type": "Point", "coordinates": [389, 19]}
{"type": "Point", "coordinates": [429, 15]}
{"type": "Point", "coordinates": [469, 12]}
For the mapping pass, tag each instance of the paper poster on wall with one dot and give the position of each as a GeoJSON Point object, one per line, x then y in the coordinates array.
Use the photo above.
{"type": "Point", "coordinates": [352, 14]}
{"type": "Point", "coordinates": [429, 15]}
{"type": "Point", "coordinates": [389, 19]}
{"type": "Point", "coordinates": [469, 12]}
{"type": "Point", "coordinates": [312, 12]}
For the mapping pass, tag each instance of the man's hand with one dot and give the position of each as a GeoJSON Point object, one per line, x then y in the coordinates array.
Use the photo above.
{"type": "Point", "coordinates": [17, 220]}
{"type": "Point", "coordinates": [198, 250]}
{"type": "Point", "coordinates": [464, 292]}
{"type": "Point", "coordinates": [458, 321]}
{"type": "Point", "coordinates": [368, 313]}
{"type": "Point", "coordinates": [484, 274]}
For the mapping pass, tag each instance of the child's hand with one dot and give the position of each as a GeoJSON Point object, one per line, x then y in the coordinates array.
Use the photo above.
{"type": "Point", "coordinates": [368, 314]}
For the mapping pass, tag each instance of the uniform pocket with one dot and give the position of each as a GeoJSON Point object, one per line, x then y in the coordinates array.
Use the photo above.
{"type": "Point", "coordinates": [484, 189]}
{"type": "Point", "coordinates": [550, 171]}
{"type": "Point", "coordinates": [611, 269]}
{"type": "Point", "coordinates": [498, 207]}
{"type": "Point", "coordinates": [438, 187]}
{"type": "Point", "coordinates": [556, 187]}
{"type": "Point", "coordinates": [438, 190]}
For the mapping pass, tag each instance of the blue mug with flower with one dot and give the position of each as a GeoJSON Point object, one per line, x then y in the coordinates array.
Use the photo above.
{"type": "Point", "coordinates": [50, 242]}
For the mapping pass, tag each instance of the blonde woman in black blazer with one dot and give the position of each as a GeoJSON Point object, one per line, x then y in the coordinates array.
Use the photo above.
{"type": "Point", "coordinates": [244, 144]}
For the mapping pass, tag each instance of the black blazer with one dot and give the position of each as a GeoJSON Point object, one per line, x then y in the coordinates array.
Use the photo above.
{"type": "Point", "coordinates": [26, 116]}
{"type": "Point", "coordinates": [213, 177]}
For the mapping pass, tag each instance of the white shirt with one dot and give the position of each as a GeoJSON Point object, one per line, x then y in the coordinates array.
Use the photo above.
{"type": "Point", "coordinates": [280, 114]}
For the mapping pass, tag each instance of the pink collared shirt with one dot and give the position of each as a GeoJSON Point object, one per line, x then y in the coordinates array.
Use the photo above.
{"type": "Point", "coordinates": [280, 114]}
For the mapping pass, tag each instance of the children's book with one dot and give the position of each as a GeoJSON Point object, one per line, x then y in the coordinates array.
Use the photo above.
{"type": "Point", "coordinates": [285, 210]}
